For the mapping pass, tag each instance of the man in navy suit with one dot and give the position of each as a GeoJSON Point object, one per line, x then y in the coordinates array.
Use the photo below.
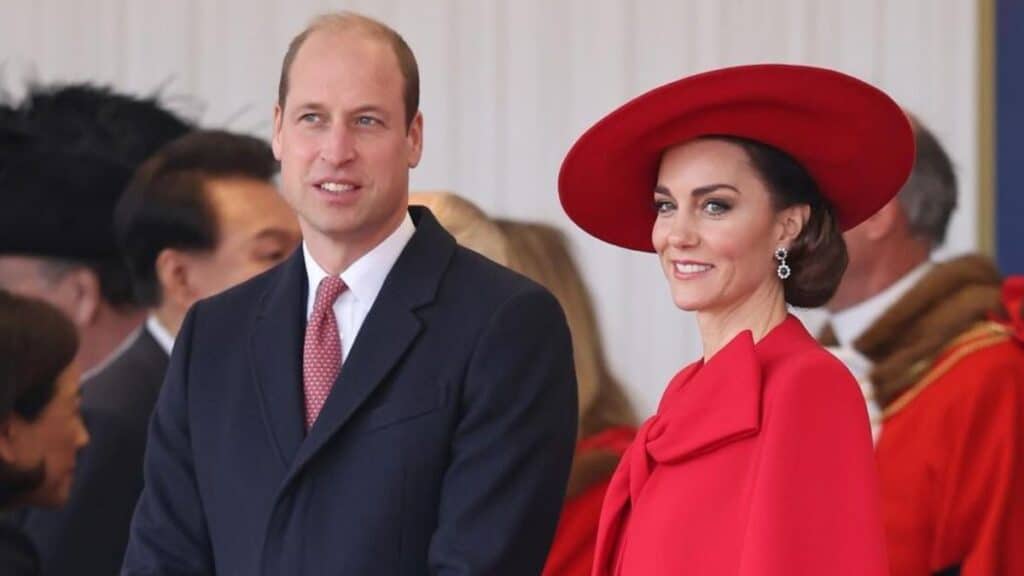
{"type": "Point", "coordinates": [384, 402]}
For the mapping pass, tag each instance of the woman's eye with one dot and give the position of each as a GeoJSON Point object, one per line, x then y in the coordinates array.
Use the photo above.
{"type": "Point", "coordinates": [663, 206]}
{"type": "Point", "coordinates": [715, 207]}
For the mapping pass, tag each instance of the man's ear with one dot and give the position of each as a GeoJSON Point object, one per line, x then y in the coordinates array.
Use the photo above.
{"type": "Point", "coordinates": [275, 140]}
{"type": "Point", "coordinates": [173, 274]}
{"type": "Point", "coordinates": [80, 293]}
{"type": "Point", "coordinates": [415, 140]}
{"type": "Point", "coordinates": [10, 429]}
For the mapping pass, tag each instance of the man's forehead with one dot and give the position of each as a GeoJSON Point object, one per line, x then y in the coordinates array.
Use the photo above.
{"type": "Point", "coordinates": [335, 43]}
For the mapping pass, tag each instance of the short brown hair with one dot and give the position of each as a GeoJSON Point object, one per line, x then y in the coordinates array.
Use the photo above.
{"type": "Point", "coordinates": [343, 21]}
{"type": "Point", "coordinates": [817, 257]}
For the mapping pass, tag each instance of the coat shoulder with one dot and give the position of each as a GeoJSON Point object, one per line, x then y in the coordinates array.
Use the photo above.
{"type": "Point", "coordinates": [810, 380]}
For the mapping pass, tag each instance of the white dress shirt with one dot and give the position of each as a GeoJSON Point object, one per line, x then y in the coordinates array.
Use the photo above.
{"type": "Point", "coordinates": [851, 323]}
{"type": "Point", "coordinates": [364, 279]}
{"type": "Point", "coordinates": [162, 335]}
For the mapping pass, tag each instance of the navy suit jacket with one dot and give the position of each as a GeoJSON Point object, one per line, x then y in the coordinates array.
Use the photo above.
{"type": "Point", "coordinates": [443, 448]}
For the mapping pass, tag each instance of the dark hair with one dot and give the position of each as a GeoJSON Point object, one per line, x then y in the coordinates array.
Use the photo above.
{"type": "Point", "coordinates": [166, 205]}
{"type": "Point", "coordinates": [817, 257]}
{"type": "Point", "coordinates": [92, 119]}
{"type": "Point", "coordinates": [348, 20]}
{"type": "Point", "coordinates": [59, 206]}
{"type": "Point", "coordinates": [13, 136]}
{"type": "Point", "coordinates": [114, 133]}
{"type": "Point", "coordinates": [37, 343]}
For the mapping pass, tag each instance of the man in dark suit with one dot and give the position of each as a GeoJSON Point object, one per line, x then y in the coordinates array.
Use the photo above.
{"type": "Point", "coordinates": [385, 402]}
{"type": "Point", "coordinates": [200, 216]}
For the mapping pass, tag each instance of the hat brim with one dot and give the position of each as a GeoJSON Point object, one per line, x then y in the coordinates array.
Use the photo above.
{"type": "Point", "coordinates": [854, 141]}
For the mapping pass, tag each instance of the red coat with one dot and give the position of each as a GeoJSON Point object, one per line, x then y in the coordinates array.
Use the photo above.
{"type": "Point", "coordinates": [572, 551]}
{"type": "Point", "coordinates": [757, 463]}
{"type": "Point", "coordinates": [951, 457]}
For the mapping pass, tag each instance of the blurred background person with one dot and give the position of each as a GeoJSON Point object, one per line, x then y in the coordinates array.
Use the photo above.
{"type": "Point", "coordinates": [200, 216]}
{"type": "Point", "coordinates": [79, 148]}
{"type": "Point", "coordinates": [41, 429]}
{"type": "Point", "coordinates": [606, 419]}
{"type": "Point", "coordinates": [464, 220]}
{"type": "Point", "coordinates": [942, 345]}
{"type": "Point", "coordinates": [80, 144]}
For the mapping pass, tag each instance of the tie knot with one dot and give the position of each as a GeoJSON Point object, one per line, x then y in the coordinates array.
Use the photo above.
{"type": "Point", "coordinates": [328, 291]}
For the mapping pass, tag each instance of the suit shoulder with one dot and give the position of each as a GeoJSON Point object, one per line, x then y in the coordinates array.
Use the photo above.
{"type": "Point", "coordinates": [245, 293]}
{"type": "Point", "coordinates": [131, 381]}
{"type": "Point", "coordinates": [477, 274]}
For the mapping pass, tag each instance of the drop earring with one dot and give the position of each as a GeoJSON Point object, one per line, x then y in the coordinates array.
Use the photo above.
{"type": "Point", "coordinates": [783, 270]}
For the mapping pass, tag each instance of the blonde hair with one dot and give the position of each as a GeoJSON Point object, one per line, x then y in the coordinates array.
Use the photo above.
{"type": "Point", "coordinates": [470, 226]}
{"type": "Point", "coordinates": [542, 253]}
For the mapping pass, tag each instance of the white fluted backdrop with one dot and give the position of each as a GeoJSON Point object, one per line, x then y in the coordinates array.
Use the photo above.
{"type": "Point", "coordinates": [509, 84]}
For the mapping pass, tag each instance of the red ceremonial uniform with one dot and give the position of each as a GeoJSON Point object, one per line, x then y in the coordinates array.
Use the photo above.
{"type": "Point", "coordinates": [951, 457]}
{"type": "Point", "coordinates": [758, 462]}
{"type": "Point", "coordinates": [572, 551]}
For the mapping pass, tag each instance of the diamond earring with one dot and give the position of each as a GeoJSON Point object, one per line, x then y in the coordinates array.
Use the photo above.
{"type": "Point", "coordinates": [783, 270]}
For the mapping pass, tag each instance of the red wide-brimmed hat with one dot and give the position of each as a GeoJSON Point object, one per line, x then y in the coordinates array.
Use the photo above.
{"type": "Point", "coordinates": [855, 142]}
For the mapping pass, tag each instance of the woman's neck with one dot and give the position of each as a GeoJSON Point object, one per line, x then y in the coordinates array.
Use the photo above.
{"type": "Point", "coordinates": [760, 313]}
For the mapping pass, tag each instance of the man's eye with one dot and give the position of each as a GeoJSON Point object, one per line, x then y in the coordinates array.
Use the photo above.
{"type": "Point", "coordinates": [367, 121]}
{"type": "Point", "coordinates": [309, 118]}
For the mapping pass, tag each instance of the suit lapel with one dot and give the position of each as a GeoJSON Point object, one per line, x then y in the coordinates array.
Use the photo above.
{"type": "Point", "coordinates": [275, 346]}
{"type": "Point", "coordinates": [389, 330]}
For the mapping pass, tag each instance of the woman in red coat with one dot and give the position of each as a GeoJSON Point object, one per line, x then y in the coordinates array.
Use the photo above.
{"type": "Point", "coordinates": [759, 459]}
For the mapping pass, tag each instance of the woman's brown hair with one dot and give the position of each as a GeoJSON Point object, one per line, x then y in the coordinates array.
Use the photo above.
{"type": "Point", "coordinates": [37, 344]}
{"type": "Point", "coordinates": [817, 257]}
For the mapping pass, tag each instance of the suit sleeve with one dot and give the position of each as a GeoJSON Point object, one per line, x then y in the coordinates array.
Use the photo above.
{"type": "Point", "coordinates": [168, 535]}
{"type": "Point", "coordinates": [503, 489]}
{"type": "Point", "coordinates": [815, 505]}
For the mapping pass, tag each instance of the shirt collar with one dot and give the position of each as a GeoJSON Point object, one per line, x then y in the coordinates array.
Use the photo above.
{"type": "Point", "coordinates": [162, 335]}
{"type": "Point", "coordinates": [850, 324]}
{"type": "Point", "coordinates": [365, 276]}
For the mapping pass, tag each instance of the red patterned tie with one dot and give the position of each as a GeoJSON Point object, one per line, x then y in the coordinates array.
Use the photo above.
{"type": "Point", "coordinates": [321, 351]}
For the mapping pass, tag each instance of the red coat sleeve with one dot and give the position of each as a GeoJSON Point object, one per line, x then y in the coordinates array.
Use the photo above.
{"type": "Point", "coordinates": [981, 513]}
{"type": "Point", "coordinates": [815, 505]}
